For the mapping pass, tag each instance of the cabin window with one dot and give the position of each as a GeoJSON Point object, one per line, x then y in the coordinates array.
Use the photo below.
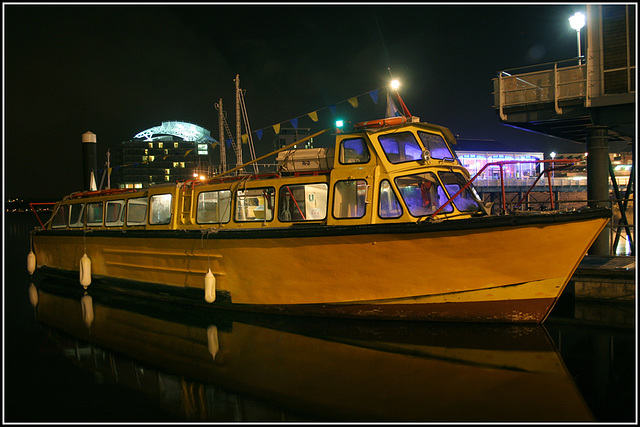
{"type": "Point", "coordinates": [354, 151]}
{"type": "Point", "coordinates": [76, 218]}
{"type": "Point", "coordinates": [304, 202]}
{"type": "Point", "coordinates": [422, 193]}
{"type": "Point", "coordinates": [349, 200]}
{"type": "Point", "coordinates": [435, 144]}
{"type": "Point", "coordinates": [468, 200]}
{"type": "Point", "coordinates": [94, 214]}
{"type": "Point", "coordinates": [114, 216]}
{"type": "Point", "coordinates": [388, 206]}
{"type": "Point", "coordinates": [137, 211]}
{"type": "Point", "coordinates": [255, 204]}
{"type": "Point", "coordinates": [400, 147]}
{"type": "Point", "coordinates": [61, 217]}
{"type": "Point", "coordinates": [214, 207]}
{"type": "Point", "coordinates": [160, 209]}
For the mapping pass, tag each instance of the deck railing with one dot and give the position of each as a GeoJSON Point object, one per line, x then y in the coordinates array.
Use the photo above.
{"type": "Point", "coordinates": [555, 164]}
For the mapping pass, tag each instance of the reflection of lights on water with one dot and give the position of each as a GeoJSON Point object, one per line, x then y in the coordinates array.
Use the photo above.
{"type": "Point", "coordinates": [624, 246]}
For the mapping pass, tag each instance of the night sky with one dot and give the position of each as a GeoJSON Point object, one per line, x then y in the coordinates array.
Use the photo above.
{"type": "Point", "coordinates": [116, 70]}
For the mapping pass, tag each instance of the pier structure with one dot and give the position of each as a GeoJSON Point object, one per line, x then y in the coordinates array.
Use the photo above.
{"type": "Point", "coordinates": [590, 99]}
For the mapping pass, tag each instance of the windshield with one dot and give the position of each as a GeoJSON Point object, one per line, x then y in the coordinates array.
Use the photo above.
{"type": "Point", "coordinates": [468, 200]}
{"type": "Point", "coordinates": [400, 147]}
{"type": "Point", "coordinates": [435, 144]}
{"type": "Point", "coordinates": [422, 193]}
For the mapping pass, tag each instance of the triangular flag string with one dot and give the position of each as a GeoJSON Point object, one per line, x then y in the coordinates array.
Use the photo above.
{"type": "Point", "coordinates": [353, 101]}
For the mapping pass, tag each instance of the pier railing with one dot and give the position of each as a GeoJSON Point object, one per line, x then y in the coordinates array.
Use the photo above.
{"type": "Point", "coordinates": [619, 229]}
{"type": "Point", "coordinates": [550, 82]}
{"type": "Point", "coordinates": [554, 164]}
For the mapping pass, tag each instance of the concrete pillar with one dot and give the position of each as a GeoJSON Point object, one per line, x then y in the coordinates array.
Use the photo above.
{"type": "Point", "coordinates": [598, 181]}
{"type": "Point", "coordinates": [89, 159]}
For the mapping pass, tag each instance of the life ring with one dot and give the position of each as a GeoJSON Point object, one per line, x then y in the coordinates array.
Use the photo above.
{"type": "Point", "coordinates": [382, 122]}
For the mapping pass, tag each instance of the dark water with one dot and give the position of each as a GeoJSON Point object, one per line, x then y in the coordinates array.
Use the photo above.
{"type": "Point", "coordinates": [100, 357]}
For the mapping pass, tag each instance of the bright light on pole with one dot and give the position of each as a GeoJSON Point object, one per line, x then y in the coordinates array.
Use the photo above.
{"type": "Point", "coordinates": [553, 156]}
{"type": "Point", "coordinates": [395, 84]}
{"type": "Point", "coordinates": [577, 21]}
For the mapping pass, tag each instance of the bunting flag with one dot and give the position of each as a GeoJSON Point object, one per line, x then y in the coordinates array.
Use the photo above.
{"type": "Point", "coordinates": [374, 96]}
{"type": "Point", "coordinates": [392, 110]}
{"type": "Point", "coordinates": [245, 139]}
{"type": "Point", "coordinates": [185, 154]}
{"type": "Point", "coordinates": [353, 101]}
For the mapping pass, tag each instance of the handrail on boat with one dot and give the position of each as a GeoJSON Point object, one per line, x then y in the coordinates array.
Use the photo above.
{"type": "Point", "coordinates": [32, 206]}
{"type": "Point", "coordinates": [268, 155]}
{"type": "Point", "coordinates": [567, 163]}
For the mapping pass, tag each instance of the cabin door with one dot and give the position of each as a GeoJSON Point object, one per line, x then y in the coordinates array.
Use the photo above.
{"type": "Point", "coordinates": [353, 182]}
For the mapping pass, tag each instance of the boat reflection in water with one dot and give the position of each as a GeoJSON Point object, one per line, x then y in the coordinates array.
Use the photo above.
{"type": "Point", "coordinates": [245, 367]}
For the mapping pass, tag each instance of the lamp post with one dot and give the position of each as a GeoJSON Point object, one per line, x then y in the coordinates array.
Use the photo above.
{"type": "Point", "coordinates": [553, 172]}
{"type": "Point", "coordinates": [577, 21]}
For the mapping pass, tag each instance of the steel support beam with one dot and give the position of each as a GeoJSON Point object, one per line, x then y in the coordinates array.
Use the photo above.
{"type": "Point", "coordinates": [598, 181]}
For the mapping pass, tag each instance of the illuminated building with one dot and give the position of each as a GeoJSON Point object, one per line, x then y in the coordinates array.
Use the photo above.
{"type": "Point", "coordinates": [173, 151]}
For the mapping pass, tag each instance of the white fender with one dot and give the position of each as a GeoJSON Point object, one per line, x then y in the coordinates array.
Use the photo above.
{"type": "Point", "coordinates": [209, 287]}
{"type": "Point", "coordinates": [212, 341]}
{"type": "Point", "coordinates": [33, 295]}
{"type": "Point", "coordinates": [85, 271]}
{"type": "Point", "coordinates": [31, 262]}
{"type": "Point", "coordinates": [87, 309]}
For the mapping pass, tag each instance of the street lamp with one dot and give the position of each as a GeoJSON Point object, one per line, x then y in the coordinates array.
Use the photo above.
{"type": "Point", "coordinates": [553, 172]}
{"type": "Point", "coordinates": [577, 21]}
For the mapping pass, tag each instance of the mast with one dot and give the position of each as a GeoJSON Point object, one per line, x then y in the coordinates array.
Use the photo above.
{"type": "Point", "coordinates": [108, 169]}
{"type": "Point", "coordinates": [238, 118]}
{"type": "Point", "coordinates": [223, 149]}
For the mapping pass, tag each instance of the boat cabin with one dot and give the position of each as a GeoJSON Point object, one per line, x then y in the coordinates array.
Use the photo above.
{"type": "Point", "coordinates": [377, 173]}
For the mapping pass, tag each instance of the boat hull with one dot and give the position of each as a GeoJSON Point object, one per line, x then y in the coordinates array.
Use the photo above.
{"type": "Point", "coordinates": [504, 269]}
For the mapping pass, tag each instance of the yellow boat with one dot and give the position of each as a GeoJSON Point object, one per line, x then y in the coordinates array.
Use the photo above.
{"type": "Point", "coordinates": [255, 367]}
{"type": "Point", "coordinates": [386, 224]}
